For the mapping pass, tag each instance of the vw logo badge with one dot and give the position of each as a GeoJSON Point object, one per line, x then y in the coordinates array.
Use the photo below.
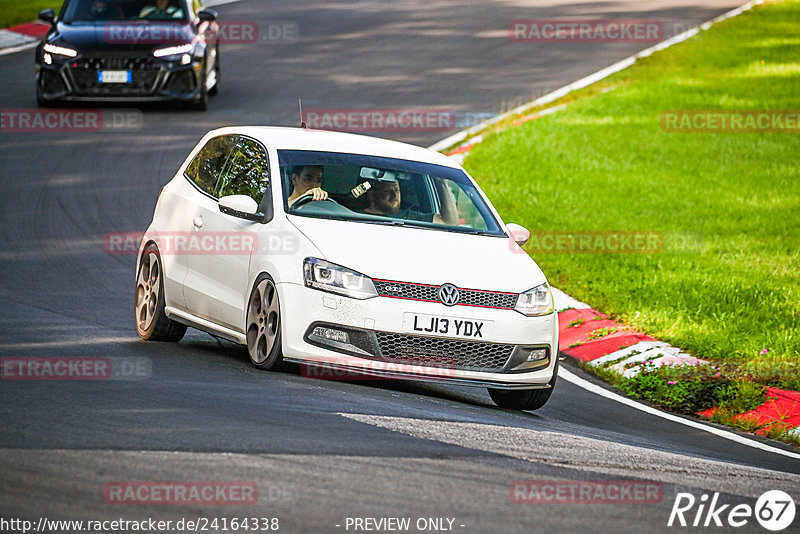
{"type": "Point", "coordinates": [448, 294]}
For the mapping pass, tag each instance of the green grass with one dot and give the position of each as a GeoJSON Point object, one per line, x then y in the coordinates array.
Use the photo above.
{"type": "Point", "coordinates": [727, 283]}
{"type": "Point", "coordinates": [13, 12]}
{"type": "Point", "coordinates": [601, 332]}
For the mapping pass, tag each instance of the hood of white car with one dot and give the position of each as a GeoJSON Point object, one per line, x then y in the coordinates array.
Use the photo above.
{"type": "Point", "coordinates": [406, 254]}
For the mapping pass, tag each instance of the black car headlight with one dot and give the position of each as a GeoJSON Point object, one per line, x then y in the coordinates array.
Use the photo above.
{"type": "Point", "coordinates": [50, 50]}
{"type": "Point", "coordinates": [175, 53]}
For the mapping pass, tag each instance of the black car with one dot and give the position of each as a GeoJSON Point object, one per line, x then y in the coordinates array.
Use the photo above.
{"type": "Point", "coordinates": [134, 50]}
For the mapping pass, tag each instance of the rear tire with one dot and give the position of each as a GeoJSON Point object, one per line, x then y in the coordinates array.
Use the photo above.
{"type": "Point", "coordinates": [152, 322]}
{"type": "Point", "coordinates": [525, 399]}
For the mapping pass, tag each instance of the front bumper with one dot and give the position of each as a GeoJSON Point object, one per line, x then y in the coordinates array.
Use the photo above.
{"type": "Point", "coordinates": [152, 79]}
{"type": "Point", "coordinates": [378, 344]}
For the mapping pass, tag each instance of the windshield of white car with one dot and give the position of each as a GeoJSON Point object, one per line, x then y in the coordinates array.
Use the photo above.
{"type": "Point", "coordinates": [355, 187]}
{"type": "Point", "coordinates": [119, 10]}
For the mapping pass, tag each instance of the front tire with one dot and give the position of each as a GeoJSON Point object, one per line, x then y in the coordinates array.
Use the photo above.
{"type": "Point", "coordinates": [526, 399]}
{"type": "Point", "coordinates": [152, 322]}
{"type": "Point", "coordinates": [264, 324]}
{"type": "Point", "coordinates": [217, 74]}
{"type": "Point", "coordinates": [201, 102]}
{"type": "Point", "coordinates": [40, 100]}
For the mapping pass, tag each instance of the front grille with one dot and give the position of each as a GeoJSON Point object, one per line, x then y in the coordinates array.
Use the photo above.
{"type": "Point", "coordinates": [144, 74]}
{"type": "Point", "coordinates": [442, 353]}
{"type": "Point", "coordinates": [429, 293]}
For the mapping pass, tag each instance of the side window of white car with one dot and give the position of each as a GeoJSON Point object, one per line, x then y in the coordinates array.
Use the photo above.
{"type": "Point", "coordinates": [247, 171]}
{"type": "Point", "coordinates": [206, 167]}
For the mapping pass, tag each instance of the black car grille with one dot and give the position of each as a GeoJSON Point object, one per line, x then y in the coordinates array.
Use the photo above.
{"type": "Point", "coordinates": [429, 293]}
{"type": "Point", "coordinates": [182, 82]}
{"type": "Point", "coordinates": [51, 82]}
{"type": "Point", "coordinates": [144, 74]}
{"type": "Point", "coordinates": [442, 353]}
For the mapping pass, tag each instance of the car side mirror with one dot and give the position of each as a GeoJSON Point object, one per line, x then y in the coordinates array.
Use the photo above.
{"type": "Point", "coordinates": [519, 234]}
{"type": "Point", "coordinates": [48, 16]}
{"type": "Point", "coordinates": [241, 206]}
{"type": "Point", "coordinates": [207, 15]}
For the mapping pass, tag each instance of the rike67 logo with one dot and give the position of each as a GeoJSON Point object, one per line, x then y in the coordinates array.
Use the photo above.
{"type": "Point", "coordinates": [774, 511]}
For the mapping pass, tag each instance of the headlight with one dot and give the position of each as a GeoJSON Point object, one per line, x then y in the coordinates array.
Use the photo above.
{"type": "Point", "coordinates": [173, 50]}
{"type": "Point", "coordinates": [333, 278]}
{"type": "Point", "coordinates": [60, 50]}
{"type": "Point", "coordinates": [536, 301]}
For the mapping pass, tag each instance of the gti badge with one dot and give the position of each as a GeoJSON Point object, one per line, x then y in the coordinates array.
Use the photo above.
{"type": "Point", "coordinates": [448, 294]}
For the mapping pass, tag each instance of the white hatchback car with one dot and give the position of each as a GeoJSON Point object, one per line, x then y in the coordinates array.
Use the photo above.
{"type": "Point", "coordinates": [346, 252]}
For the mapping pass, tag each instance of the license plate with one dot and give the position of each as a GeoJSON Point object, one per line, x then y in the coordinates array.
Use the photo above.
{"type": "Point", "coordinates": [114, 76]}
{"type": "Point", "coordinates": [455, 327]}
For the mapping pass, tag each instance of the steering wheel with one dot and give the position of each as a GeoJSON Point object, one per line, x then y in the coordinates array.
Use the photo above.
{"type": "Point", "coordinates": [309, 197]}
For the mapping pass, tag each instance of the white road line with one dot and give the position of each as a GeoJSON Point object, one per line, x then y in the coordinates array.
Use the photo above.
{"type": "Point", "coordinates": [215, 3]}
{"type": "Point", "coordinates": [593, 388]}
{"type": "Point", "coordinates": [558, 93]}
{"type": "Point", "coordinates": [28, 46]}
{"type": "Point", "coordinates": [592, 78]}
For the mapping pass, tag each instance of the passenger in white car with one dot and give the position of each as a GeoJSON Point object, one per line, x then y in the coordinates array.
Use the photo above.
{"type": "Point", "coordinates": [385, 199]}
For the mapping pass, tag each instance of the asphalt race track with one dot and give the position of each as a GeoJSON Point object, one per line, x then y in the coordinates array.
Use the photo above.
{"type": "Point", "coordinates": [319, 451]}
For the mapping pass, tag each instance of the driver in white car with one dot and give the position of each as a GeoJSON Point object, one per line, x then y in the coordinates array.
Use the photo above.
{"type": "Point", "coordinates": [307, 180]}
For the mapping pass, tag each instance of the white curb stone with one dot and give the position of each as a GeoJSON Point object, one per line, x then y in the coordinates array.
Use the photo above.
{"type": "Point", "coordinates": [12, 39]}
{"type": "Point", "coordinates": [651, 354]}
{"type": "Point", "coordinates": [564, 302]}
{"type": "Point", "coordinates": [638, 348]}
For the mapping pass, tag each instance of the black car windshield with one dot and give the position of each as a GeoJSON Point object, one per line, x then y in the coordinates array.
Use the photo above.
{"type": "Point", "coordinates": [383, 191]}
{"type": "Point", "coordinates": [102, 10]}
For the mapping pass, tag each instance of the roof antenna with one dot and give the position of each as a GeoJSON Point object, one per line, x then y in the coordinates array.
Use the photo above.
{"type": "Point", "coordinates": [302, 122]}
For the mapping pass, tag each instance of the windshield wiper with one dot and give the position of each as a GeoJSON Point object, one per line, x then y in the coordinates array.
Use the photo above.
{"type": "Point", "coordinates": [471, 231]}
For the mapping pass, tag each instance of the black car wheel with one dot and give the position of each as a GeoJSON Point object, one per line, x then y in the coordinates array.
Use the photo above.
{"type": "Point", "coordinates": [264, 325]}
{"type": "Point", "coordinates": [526, 399]}
{"type": "Point", "coordinates": [217, 78]}
{"type": "Point", "coordinates": [152, 322]}
{"type": "Point", "coordinates": [40, 100]}
{"type": "Point", "coordinates": [201, 102]}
